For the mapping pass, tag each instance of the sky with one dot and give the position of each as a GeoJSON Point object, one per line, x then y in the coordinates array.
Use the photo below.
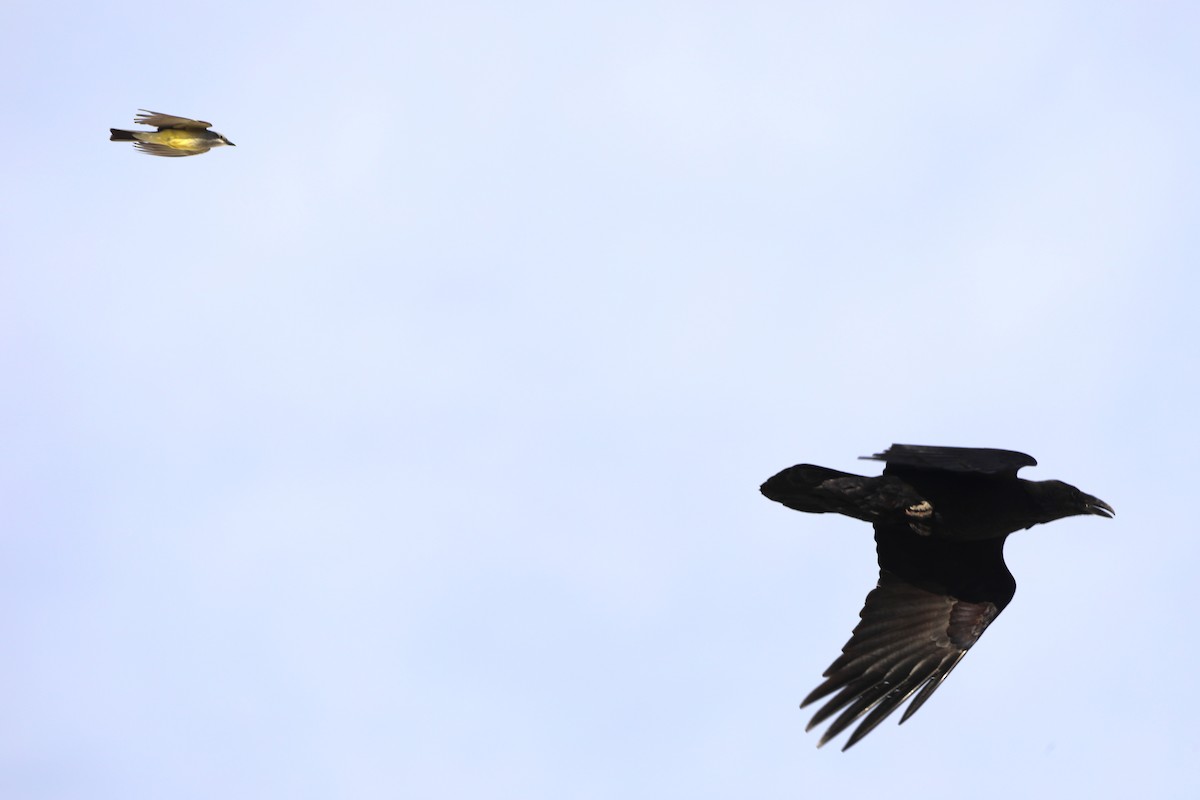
{"type": "Point", "coordinates": [412, 447]}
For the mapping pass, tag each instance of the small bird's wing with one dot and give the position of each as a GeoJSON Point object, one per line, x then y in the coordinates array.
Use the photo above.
{"type": "Point", "coordinates": [149, 148]}
{"type": "Point", "coordinates": [933, 601]}
{"type": "Point", "coordinates": [161, 121]}
{"type": "Point", "coordinates": [982, 460]}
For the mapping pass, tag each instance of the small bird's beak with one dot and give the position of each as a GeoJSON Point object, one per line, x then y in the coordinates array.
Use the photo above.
{"type": "Point", "coordinates": [231, 144]}
{"type": "Point", "coordinates": [1094, 505]}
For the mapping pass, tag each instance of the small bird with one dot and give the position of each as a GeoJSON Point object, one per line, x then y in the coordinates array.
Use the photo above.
{"type": "Point", "coordinates": [175, 137]}
{"type": "Point", "coordinates": [941, 515]}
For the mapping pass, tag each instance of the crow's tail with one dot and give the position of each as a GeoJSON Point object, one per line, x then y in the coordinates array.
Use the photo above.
{"type": "Point", "coordinates": [805, 487]}
{"type": "Point", "coordinates": [820, 490]}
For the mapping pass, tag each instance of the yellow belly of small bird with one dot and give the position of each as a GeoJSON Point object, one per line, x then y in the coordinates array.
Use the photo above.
{"type": "Point", "coordinates": [176, 140]}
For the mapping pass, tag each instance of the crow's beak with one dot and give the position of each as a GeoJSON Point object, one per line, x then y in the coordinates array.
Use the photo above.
{"type": "Point", "coordinates": [1094, 505]}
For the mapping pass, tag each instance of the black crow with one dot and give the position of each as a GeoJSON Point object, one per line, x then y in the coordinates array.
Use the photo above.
{"type": "Point", "coordinates": [941, 515]}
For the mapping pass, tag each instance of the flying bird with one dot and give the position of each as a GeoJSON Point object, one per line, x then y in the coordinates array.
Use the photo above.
{"type": "Point", "coordinates": [175, 137]}
{"type": "Point", "coordinates": [941, 515]}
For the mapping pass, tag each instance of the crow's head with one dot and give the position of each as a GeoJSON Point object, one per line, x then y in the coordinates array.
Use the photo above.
{"type": "Point", "coordinates": [1057, 500]}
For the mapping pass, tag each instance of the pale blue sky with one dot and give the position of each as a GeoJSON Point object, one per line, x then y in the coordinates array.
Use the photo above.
{"type": "Point", "coordinates": [412, 447]}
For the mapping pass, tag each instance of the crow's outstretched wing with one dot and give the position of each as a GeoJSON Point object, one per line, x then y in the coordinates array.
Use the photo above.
{"type": "Point", "coordinates": [933, 601]}
{"type": "Point", "coordinates": [982, 460]}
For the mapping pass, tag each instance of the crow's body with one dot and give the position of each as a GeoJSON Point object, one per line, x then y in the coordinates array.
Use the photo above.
{"type": "Point", "coordinates": [941, 515]}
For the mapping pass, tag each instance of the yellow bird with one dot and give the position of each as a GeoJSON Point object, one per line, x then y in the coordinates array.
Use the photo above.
{"type": "Point", "coordinates": [175, 137]}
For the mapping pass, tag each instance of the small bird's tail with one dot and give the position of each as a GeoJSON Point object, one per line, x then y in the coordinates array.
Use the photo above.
{"type": "Point", "coordinates": [121, 136]}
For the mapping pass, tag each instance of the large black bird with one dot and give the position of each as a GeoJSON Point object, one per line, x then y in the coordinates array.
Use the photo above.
{"type": "Point", "coordinates": [941, 515]}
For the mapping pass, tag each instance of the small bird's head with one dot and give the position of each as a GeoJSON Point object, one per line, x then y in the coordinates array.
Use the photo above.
{"type": "Point", "coordinates": [221, 138]}
{"type": "Point", "coordinates": [1059, 500]}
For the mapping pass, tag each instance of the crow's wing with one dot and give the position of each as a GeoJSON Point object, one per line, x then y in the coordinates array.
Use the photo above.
{"type": "Point", "coordinates": [981, 460]}
{"type": "Point", "coordinates": [161, 121]}
{"type": "Point", "coordinates": [933, 601]}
